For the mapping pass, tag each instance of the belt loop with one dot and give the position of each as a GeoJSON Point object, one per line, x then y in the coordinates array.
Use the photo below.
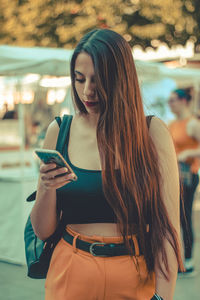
{"type": "Point", "coordinates": [136, 245]}
{"type": "Point", "coordinates": [74, 242]}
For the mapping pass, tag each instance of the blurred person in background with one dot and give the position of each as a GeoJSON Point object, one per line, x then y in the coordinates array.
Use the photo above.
{"type": "Point", "coordinates": [185, 131]}
{"type": "Point", "coordinates": [125, 204]}
{"type": "Point", "coordinates": [9, 114]}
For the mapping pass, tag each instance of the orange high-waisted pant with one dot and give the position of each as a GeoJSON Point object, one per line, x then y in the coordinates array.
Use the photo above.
{"type": "Point", "coordinates": [78, 275]}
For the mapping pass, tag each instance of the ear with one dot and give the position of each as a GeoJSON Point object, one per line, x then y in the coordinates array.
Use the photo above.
{"type": "Point", "coordinates": [187, 103]}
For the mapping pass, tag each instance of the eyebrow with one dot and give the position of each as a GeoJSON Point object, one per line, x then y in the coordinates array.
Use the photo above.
{"type": "Point", "coordinates": [79, 73]}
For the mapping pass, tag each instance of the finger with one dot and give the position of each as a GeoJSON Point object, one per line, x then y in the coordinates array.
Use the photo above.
{"type": "Point", "coordinates": [53, 178]}
{"type": "Point", "coordinates": [47, 178]}
{"type": "Point", "coordinates": [47, 167]}
{"type": "Point", "coordinates": [62, 179]}
{"type": "Point", "coordinates": [71, 177]}
{"type": "Point", "coordinates": [59, 172]}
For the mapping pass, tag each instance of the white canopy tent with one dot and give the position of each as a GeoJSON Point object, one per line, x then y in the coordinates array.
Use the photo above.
{"type": "Point", "coordinates": [18, 61]}
{"type": "Point", "coordinates": [51, 61]}
{"type": "Point", "coordinates": [44, 61]}
{"type": "Point", "coordinates": [155, 70]}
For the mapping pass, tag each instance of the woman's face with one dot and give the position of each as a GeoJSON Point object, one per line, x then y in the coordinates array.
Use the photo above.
{"type": "Point", "coordinates": [176, 104]}
{"type": "Point", "coordinates": [85, 82]}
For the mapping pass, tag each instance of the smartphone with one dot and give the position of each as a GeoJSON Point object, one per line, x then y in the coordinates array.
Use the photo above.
{"type": "Point", "coordinates": [53, 156]}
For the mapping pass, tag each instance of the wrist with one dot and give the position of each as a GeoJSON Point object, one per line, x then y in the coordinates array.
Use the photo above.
{"type": "Point", "coordinates": [45, 189]}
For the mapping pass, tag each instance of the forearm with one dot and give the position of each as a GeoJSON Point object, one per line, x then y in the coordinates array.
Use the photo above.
{"type": "Point", "coordinates": [165, 288]}
{"type": "Point", "coordinates": [193, 152]}
{"type": "Point", "coordinates": [44, 214]}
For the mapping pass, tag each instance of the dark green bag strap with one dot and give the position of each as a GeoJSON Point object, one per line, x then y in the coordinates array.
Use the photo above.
{"type": "Point", "coordinates": [148, 119]}
{"type": "Point", "coordinates": [62, 136]}
{"type": "Point", "coordinates": [58, 120]}
{"type": "Point", "coordinates": [63, 132]}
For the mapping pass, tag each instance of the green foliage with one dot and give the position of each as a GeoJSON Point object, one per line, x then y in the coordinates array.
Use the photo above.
{"type": "Point", "coordinates": [61, 23]}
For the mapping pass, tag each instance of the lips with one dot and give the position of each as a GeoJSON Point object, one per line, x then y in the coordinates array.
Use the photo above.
{"type": "Point", "coordinates": [91, 103]}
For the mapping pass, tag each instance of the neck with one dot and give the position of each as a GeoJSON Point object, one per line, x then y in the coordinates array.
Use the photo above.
{"type": "Point", "coordinates": [186, 113]}
{"type": "Point", "coordinates": [92, 120]}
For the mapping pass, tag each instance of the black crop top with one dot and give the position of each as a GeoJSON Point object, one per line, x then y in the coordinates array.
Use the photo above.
{"type": "Point", "coordinates": [83, 201]}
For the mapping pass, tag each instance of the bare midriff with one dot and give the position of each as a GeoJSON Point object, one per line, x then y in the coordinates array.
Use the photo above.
{"type": "Point", "coordinates": [100, 229]}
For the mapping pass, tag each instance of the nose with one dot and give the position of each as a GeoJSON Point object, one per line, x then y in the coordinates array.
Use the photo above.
{"type": "Point", "coordinates": [89, 90]}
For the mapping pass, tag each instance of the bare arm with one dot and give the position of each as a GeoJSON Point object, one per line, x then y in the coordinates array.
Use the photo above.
{"type": "Point", "coordinates": [189, 153]}
{"type": "Point", "coordinates": [44, 216]}
{"type": "Point", "coordinates": [193, 130]}
{"type": "Point", "coordinates": [170, 193]}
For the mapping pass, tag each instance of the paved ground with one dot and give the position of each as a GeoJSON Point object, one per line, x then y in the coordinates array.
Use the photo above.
{"type": "Point", "coordinates": [15, 285]}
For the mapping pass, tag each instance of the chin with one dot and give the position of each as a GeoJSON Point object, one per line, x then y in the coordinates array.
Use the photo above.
{"type": "Point", "coordinates": [173, 111]}
{"type": "Point", "coordinates": [93, 111]}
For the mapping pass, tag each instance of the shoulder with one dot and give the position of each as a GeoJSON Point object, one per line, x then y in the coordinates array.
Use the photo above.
{"type": "Point", "coordinates": [171, 123]}
{"type": "Point", "coordinates": [193, 128]}
{"type": "Point", "coordinates": [53, 127]}
{"type": "Point", "coordinates": [51, 135]}
{"type": "Point", "coordinates": [157, 127]}
{"type": "Point", "coordinates": [160, 135]}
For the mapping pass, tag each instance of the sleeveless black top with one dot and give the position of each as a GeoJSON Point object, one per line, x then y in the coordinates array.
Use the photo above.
{"type": "Point", "coordinates": [83, 201]}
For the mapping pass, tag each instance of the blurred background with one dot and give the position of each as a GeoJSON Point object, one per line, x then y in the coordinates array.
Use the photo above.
{"type": "Point", "coordinates": [37, 39]}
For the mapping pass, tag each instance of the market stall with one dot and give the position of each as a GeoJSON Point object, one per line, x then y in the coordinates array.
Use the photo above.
{"type": "Point", "coordinates": [18, 166]}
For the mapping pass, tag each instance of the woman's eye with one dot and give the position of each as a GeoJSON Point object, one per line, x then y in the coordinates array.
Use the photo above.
{"type": "Point", "coordinates": [80, 80]}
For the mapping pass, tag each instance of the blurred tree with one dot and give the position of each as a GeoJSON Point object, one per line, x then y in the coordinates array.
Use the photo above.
{"type": "Point", "coordinates": [61, 23]}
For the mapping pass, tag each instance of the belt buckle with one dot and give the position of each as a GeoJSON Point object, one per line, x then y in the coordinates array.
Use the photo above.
{"type": "Point", "coordinates": [92, 250]}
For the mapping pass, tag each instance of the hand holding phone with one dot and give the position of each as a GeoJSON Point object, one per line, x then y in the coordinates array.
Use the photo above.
{"type": "Point", "coordinates": [52, 156]}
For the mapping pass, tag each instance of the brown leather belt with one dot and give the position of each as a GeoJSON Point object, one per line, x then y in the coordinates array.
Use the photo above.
{"type": "Point", "coordinates": [98, 248]}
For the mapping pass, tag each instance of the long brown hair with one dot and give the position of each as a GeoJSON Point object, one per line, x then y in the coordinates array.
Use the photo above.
{"type": "Point", "coordinates": [134, 190]}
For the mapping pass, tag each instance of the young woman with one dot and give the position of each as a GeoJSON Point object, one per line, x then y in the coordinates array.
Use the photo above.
{"type": "Point", "coordinates": [185, 131]}
{"type": "Point", "coordinates": [122, 214]}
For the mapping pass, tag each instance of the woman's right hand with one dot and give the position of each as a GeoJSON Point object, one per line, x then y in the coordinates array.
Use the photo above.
{"type": "Point", "coordinates": [48, 177]}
